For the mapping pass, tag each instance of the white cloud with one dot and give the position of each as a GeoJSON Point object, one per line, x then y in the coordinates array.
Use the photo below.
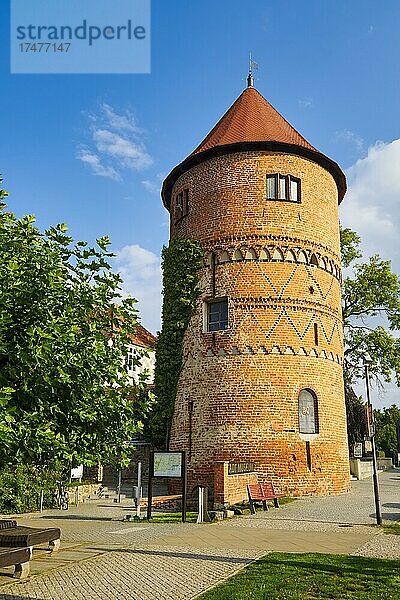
{"type": "Point", "coordinates": [154, 185]}
{"type": "Point", "coordinates": [350, 138]}
{"type": "Point", "coordinates": [129, 153]}
{"type": "Point", "coordinates": [94, 162]}
{"type": "Point", "coordinates": [371, 208]}
{"type": "Point", "coordinates": [306, 103]}
{"type": "Point", "coordinates": [141, 271]}
{"type": "Point", "coordinates": [120, 122]}
{"type": "Point", "coordinates": [371, 205]}
{"type": "Point", "coordinates": [116, 143]}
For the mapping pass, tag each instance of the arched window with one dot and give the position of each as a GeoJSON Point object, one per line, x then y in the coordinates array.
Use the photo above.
{"type": "Point", "coordinates": [308, 412]}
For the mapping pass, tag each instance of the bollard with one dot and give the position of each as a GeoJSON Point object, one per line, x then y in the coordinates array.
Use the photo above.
{"type": "Point", "coordinates": [203, 516]}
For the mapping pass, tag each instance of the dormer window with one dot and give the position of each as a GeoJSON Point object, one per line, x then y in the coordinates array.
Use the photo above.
{"type": "Point", "coordinates": [182, 204]}
{"type": "Point", "coordinates": [283, 187]}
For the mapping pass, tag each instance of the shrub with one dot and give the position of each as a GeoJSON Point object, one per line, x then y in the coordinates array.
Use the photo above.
{"type": "Point", "coordinates": [20, 489]}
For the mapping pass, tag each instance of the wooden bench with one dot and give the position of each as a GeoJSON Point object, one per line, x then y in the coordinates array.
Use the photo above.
{"type": "Point", "coordinates": [18, 558]}
{"type": "Point", "coordinates": [262, 492]}
{"type": "Point", "coordinates": [13, 535]}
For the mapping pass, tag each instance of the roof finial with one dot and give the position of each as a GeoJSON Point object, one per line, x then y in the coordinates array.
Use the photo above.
{"type": "Point", "coordinates": [252, 65]}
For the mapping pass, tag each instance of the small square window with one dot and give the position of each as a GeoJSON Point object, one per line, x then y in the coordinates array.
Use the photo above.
{"type": "Point", "coordinates": [217, 315]}
{"type": "Point", "coordinates": [283, 187]}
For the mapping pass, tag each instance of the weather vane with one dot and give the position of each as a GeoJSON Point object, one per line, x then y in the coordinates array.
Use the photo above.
{"type": "Point", "coordinates": [252, 66]}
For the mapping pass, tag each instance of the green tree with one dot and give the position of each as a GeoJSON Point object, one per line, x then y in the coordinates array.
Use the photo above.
{"type": "Point", "coordinates": [357, 427]}
{"type": "Point", "coordinates": [371, 313]}
{"type": "Point", "coordinates": [371, 316]}
{"type": "Point", "coordinates": [63, 388]}
{"type": "Point", "coordinates": [385, 422]}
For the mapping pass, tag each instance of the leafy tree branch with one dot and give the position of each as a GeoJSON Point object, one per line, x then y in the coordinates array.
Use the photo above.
{"type": "Point", "coordinates": [371, 290]}
{"type": "Point", "coordinates": [63, 390]}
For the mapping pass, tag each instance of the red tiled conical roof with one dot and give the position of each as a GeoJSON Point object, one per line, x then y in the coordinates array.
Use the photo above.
{"type": "Point", "coordinates": [252, 123]}
{"type": "Point", "coordinates": [251, 118]}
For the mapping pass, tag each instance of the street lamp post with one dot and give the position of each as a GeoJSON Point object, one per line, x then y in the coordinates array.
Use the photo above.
{"type": "Point", "coordinates": [374, 464]}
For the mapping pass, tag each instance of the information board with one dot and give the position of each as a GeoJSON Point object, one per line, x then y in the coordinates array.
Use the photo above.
{"type": "Point", "coordinates": [77, 472]}
{"type": "Point", "coordinates": [358, 450]}
{"type": "Point", "coordinates": [167, 464]}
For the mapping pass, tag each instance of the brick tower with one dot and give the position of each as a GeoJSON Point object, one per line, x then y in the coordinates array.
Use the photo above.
{"type": "Point", "coordinates": [262, 381]}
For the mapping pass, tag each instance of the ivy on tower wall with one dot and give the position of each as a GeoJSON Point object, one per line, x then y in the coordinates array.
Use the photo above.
{"type": "Point", "coordinates": [181, 261]}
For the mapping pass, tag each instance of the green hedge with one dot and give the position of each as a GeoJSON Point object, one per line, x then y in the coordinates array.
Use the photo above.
{"type": "Point", "coordinates": [20, 489]}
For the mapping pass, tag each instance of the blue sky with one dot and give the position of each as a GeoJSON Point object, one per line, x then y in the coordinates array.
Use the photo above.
{"type": "Point", "coordinates": [91, 150]}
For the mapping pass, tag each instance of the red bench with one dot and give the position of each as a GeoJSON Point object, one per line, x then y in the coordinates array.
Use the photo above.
{"type": "Point", "coordinates": [262, 492]}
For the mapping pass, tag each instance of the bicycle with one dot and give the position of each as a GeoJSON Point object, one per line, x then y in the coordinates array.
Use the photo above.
{"type": "Point", "coordinates": [62, 496]}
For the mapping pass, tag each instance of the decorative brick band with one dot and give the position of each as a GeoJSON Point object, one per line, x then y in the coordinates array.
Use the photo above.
{"type": "Point", "coordinates": [274, 253]}
{"type": "Point", "coordinates": [294, 304]}
{"type": "Point", "coordinates": [271, 239]}
{"type": "Point", "coordinates": [273, 350]}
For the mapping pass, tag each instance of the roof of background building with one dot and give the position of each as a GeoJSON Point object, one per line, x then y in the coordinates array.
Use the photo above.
{"type": "Point", "coordinates": [143, 338]}
{"type": "Point", "coordinates": [252, 123]}
{"type": "Point", "coordinates": [251, 118]}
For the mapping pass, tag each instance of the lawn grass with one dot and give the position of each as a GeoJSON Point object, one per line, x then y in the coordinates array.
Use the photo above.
{"type": "Point", "coordinates": [283, 576]}
{"type": "Point", "coordinates": [286, 500]}
{"type": "Point", "coordinates": [191, 517]}
{"type": "Point", "coordinates": [173, 517]}
{"type": "Point", "coordinates": [393, 528]}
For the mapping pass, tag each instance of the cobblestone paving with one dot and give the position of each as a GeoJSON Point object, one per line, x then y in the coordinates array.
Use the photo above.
{"type": "Point", "coordinates": [104, 558]}
{"type": "Point", "coordinates": [356, 507]}
{"type": "Point", "coordinates": [381, 546]}
{"type": "Point", "coordinates": [153, 573]}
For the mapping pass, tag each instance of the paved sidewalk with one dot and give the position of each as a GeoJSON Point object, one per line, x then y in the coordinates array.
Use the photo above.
{"type": "Point", "coordinates": [104, 558]}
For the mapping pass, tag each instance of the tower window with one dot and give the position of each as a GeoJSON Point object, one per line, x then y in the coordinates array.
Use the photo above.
{"type": "Point", "coordinates": [308, 456]}
{"type": "Point", "coordinates": [316, 334]}
{"type": "Point", "coordinates": [283, 187]}
{"type": "Point", "coordinates": [182, 205]}
{"type": "Point", "coordinates": [217, 315]}
{"type": "Point", "coordinates": [186, 202]}
{"type": "Point", "coordinates": [308, 412]}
